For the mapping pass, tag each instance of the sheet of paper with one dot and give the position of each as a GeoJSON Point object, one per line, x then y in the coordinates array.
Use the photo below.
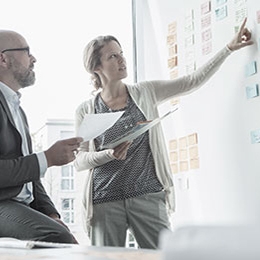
{"type": "Point", "coordinates": [136, 131]}
{"type": "Point", "coordinates": [95, 124]}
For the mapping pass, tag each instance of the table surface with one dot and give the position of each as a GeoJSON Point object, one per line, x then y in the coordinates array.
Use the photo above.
{"type": "Point", "coordinates": [79, 252]}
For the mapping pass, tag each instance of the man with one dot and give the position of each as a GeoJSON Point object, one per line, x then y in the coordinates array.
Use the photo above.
{"type": "Point", "coordinates": [26, 211]}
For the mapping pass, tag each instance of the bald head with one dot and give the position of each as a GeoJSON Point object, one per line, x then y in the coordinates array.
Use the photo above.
{"type": "Point", "coordinates": [11, 39]}
{"type": "Point", "coordinates": [16, 61]}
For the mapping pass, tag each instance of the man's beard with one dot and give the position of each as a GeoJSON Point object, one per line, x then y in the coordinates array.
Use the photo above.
{"type": "Point", "coordinates": [25, 77]}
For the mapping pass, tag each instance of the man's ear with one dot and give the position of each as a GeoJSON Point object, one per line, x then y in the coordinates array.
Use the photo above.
{"type": "Point", "coordinates": [3, 60]}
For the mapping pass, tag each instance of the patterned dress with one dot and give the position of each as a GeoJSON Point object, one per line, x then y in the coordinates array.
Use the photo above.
{"type": "Point", "coordinates": [132, 177]}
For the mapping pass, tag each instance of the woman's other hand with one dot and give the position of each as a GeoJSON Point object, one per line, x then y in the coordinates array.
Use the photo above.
{"type": "Point", "coordinates": [120, 151]}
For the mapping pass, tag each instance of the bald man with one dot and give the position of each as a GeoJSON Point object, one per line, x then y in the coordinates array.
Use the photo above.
{"type": "Point", "coordinates": [26, 211]}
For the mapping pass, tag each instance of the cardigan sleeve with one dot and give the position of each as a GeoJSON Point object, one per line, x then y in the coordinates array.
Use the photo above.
{"type": "Point", "coordinates": [86, 160]}
{"type": "Point", "coordinates": [165, 89]}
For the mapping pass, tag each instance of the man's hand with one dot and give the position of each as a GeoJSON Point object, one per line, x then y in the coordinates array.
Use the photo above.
{"type": "Point", "coordinates": [241, 39]}
{"type": "Point", "coordinates": [63, 151]}
{"type": "Point", "coordinates": [56, 218]}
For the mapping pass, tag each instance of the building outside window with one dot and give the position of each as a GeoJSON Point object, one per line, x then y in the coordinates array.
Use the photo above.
{"type": "Point", "coordinates": [67, 210]}
{"type": "Point", "coordinates": [67, 178]}
{"type": "Point", "coordinates": [130, 240]}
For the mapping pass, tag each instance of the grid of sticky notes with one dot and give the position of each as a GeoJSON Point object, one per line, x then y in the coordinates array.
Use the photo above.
{"type": "Point", "coordinates": [189, 41]}
{"type": "Point", "coordinates": [252, 80]}
{"type": "Point", "coordinates": [251, 68]}
{"type": "Point", "coordinates": [206, 35]}
{"type": "Point", "coordinates": [172, 49]}
{"type": "Point", "coordinates": [173, 55]}
{"type": "Point", "coordinates": [184, 153]}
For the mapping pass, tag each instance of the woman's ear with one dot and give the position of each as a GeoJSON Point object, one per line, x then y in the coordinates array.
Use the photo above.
{"type": "Point", "coordinates": [97, 69]}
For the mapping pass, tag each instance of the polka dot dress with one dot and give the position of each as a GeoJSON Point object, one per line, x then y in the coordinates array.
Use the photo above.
{"type": "Point", "coordinates": [132, 177]}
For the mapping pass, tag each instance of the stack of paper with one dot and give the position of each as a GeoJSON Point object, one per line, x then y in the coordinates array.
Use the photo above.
{"type": "Point", "coordinates": [8, 242]}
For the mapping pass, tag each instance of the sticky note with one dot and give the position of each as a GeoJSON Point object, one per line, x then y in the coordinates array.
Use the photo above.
{"type": "Point", "coordinates": [193, 152]}
{"type": "Point", "coordinates": [183, 154]}
{"type": "Point", "coordinates": [193, 139]}
{"type": "Point", "coordinates": [206, 35]}
{"type": "Point", "coordinates": [255, 136]}
{"type": "Point", "coordinates": [205, 7]}
{"type": "Point", "coordinates": [258, 16]}
{"type": "Point", "coordinates": [221, 13]}
{"type": "Point", "coordinates": [252, 91]}
{"type": "Point", "coordinates": [173, 156]}
{"type": "Point", "coordinates": [251, 69]}
{"type": "Point", "coordinates": [184, 166]}
{"type": "Point", "coordinates": [172, 28]}
{"type": "Point", "coordinates": [173, 144]}
{"type": "Point", "coordinates": [220, 2]}
{"type": "Point", "coordinates": [206, 21]}
{"type": "Point", "coordinates": [183, 143]}
{"type": "Point", "coordinates": [174, 168]}
{"type": "Point", "coordinates": [194, 163]}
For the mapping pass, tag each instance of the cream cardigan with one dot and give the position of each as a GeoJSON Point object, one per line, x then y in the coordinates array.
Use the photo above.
{"type": "Point", "coordinates": [147, 95]}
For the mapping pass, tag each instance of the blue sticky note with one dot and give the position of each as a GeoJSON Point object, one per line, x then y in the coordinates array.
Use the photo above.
{"type": "Point", "coordinates": [255, 136]}
{"type": "Point", "coordinates": [221, 13]}
{"type": "Point", "coordinates": [220, 2]}
{"type": "Point", "coordinates": [251, 68]}
{"type": "Point", "coordinates": [252, 91]}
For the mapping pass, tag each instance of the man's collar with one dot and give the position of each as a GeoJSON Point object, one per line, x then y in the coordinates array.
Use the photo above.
{"type": "Point", "coordinates": [9, 94]}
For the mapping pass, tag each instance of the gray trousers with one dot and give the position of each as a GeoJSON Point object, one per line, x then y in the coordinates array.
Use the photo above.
{"type": "Point", "coordinates": [22, 222]}
{"type": "Point", "coordinates": [145, 216]}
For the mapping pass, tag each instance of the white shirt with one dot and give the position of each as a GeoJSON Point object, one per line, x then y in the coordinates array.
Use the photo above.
{"type": "Point", "coordinates": [13, 101]}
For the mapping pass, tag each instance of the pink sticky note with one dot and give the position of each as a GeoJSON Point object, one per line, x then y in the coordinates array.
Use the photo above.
{"type": "Point", "coordinates": [258, 16]}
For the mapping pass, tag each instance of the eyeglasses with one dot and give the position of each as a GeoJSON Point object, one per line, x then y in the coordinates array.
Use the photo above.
{"type": "Point", "coordinates": [18, 49]}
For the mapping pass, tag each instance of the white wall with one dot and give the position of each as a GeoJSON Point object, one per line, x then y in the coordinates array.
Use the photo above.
{"type": "Point", "coordinates": [225, 187]}
{"type": "Point", "coordinates": [57, 32]}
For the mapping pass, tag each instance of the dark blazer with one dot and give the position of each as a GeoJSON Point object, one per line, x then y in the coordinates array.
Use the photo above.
{"type": "Point", "coordinates": [16, 169]}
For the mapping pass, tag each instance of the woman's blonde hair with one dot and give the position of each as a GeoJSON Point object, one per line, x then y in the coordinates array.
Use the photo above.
{"type": "Point", "coordinates": [92, 57]}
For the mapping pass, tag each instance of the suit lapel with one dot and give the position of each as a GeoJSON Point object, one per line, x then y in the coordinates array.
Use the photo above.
{"type": "Point", "coordinates": [27, 131]}
{"type": "Point", "coordinates": [10, 117]}
{"type": "Point", "coordinates": [6, 108]}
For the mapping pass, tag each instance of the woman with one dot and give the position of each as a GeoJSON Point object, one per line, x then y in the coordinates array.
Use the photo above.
{"type": "Point", "coordinates": [130, 186]}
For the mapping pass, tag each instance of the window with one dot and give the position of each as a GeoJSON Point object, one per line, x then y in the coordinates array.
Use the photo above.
{"type": "Point", "coordinates": [67, 178]}
{"type": "Point", "coordinates": [67, 210]}
{"type": "Point", "coordinates": [130, 240]}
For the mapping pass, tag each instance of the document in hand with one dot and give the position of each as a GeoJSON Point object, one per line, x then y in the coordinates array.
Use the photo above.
{"type": "Point", "coordinates": [136, 131]}
{"type": "Point", "coordinates": [95, 124]}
